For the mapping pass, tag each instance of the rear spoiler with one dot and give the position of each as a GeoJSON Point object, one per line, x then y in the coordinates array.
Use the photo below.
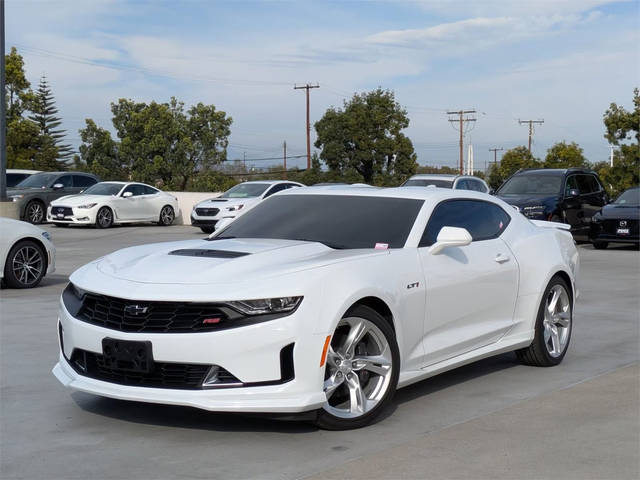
{"type": "Point", "coordinates": [544, 224]}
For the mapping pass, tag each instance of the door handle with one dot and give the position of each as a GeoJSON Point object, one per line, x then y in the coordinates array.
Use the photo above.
{"type": "Point", "coordinates": [500, 258]}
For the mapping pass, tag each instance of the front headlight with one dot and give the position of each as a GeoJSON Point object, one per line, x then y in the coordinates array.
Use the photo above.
{"type": "Point", "coordinates": [46, 235]}
{"type": "Point", "coordinates": [235, 208]}
{"type": "Point", "coordinates": [15, 198]}
{"type": "Point", "coordinates": [266, 305]}
{"type": "Point", "coordinates": [87, 205]}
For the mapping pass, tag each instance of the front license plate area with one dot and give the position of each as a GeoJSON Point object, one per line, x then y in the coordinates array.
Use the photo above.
{"type": "Point", "coordinates": [623, 231]}
{"type": "Point", "coordinates": [61, 215]}
{"type": "Point", "coordinates": [127, 355]}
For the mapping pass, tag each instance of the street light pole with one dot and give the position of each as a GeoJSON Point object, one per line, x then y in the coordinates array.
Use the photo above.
{"type": "Point", "coordinates": [3, 113]}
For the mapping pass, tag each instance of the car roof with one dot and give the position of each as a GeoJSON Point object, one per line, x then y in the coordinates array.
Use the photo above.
{"type": "Point", "coordinates": [552, 171]}
{"type": "Point", "coordinates": [270, 182]}
{"type": "Point", "coordinates": [22, 170]}
{"type": "Point", "coordinates": [435, 176]}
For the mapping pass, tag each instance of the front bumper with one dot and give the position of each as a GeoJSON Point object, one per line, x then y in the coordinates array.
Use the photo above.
{"type": "Point", "coordinates": [210, 221]}
{"type": "Point", "coordinates": [76, 216]}
{"type": "Point", "coordinates": [251, 353]}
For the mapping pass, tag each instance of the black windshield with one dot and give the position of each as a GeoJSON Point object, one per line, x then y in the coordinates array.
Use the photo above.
{"type": "Point", "coordinates": [104, 189]}
{"type": "Point", "coordinates": [425, 182]}
{"type": "Point", "coordinates": [339, 221]}
{"type": "Point", "coordinates": [245, 190]}
{"type": "Point", "coordinates": [38, 180]}
{"type": "Point", "coordinates": [630, 197]}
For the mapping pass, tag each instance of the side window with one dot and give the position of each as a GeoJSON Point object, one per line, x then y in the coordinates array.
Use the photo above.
{"type": "Point", "coordinates": [292, 185]}
{"type": "Point", "coordinates": [83, 181]}
{"type": "Point", "coordinates": [483, 220]}
{"type": "Point", "coordinates": [585, 184]}
{"type": "Point", "coordinates": [595, 185]}
{"type": "Point", "coordinates": [462, 185]}
{"type": "Point", "coordinates": [149, 190]}
{"type": "Point", "coordinates": [571, 184]}
{"type": "Point", "coordinates": [135, 189]}
{"type": "Point", "coordinates": [275, 189]}
{"type": "Point", "coordinates": [65, 180]}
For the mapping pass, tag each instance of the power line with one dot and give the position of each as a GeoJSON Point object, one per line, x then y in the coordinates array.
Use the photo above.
{"type": "Point", "coordinates": [495, 154]}
{"type": "Point", "coordinates": [462, 120]}
{"type": "Point", "coordinates": [307, 87]}
{"type": "Point", "coordinates": [531, 123]}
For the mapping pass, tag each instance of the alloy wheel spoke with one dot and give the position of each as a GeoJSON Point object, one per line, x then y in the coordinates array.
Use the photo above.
{"type": "Point", "coordinates": [357, 333]}
{"type": "Point", "coordinates": [553, 302]}
{"type": "Point", "coordinates": [555, 340]}
{"type": "Point", "coordinates": [377, 364]}
{"type": "Point", "coordinates": [562, 319]}
{"type": "Point", "coordinates": [357, 398]}
{"type": "Point", "coordinates": [332, 383]}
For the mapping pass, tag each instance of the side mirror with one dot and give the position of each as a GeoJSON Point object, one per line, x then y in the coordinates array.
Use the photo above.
{"type": "Point", "coordinates": [127, 194]}
{"type": "Point", "coordinates": [492, 191]}
{"type": "Point", "coordinates": [57, 186]}
{"type": "Point", "coordinates": [574, 192]}
{"type": "Point", "coordinates": [450, 237]}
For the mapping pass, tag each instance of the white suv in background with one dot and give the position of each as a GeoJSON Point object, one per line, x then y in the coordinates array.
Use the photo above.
{"type": "Point", "coordinates": [216, 212]}
{"type": "Point", "coordinates": [456, 182]}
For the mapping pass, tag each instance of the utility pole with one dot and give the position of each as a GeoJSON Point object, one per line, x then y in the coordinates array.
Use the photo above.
{"type": "Point", "coordinates": [530, 123]}
{"type": "Point", "coordinates": [3, 114]}
{"type": "Point", "coordinates": [285, 159]}
{"type": "Point", "coordinates": [307, 87]}
{"type": "Point", "coordinates": [495, 154]}
{"type": "Point", "coordinates": [462, 119]}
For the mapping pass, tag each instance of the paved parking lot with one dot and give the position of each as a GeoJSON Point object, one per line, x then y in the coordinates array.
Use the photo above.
{"type": "Point", "coordinates": [492, 419]}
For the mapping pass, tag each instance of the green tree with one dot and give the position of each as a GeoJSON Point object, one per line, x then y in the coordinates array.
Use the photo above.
{"type": "Point", "coordinates": [365, 136]}
{"type": "Point", "coordinates": [158, 142]}
{"type": "Point", "coordinates": [22, 133]}
{"type": "Point", "coordinates": [52, 153]}
{"type": "Point", "coordinates": [622, 129]}
{"type": "Point", "coordinates": [565, 155]}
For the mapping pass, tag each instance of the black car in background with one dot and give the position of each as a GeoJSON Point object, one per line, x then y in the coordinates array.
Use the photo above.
{"type": "Point", "coordinates": [34, 193]}
{"type": "Point", "coordinates": [571, 195]}
{"type": "Point", "coordinates": [618, 221]}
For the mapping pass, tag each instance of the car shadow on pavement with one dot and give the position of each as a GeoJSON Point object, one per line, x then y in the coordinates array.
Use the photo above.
{"type": "Point", "coordinates": [55, 279]}
{"type": "Point", "coordinates": [187, 417]}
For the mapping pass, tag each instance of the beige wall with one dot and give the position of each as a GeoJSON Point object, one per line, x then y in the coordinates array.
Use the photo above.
{"type": "Point", "coordinates": [187, 200]}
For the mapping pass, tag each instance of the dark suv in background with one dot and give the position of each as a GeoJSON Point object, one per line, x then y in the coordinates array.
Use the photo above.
{"type": "Point", "coordinates": [572, 195]}
{"type": "Point", "coordinates": [34, 193]}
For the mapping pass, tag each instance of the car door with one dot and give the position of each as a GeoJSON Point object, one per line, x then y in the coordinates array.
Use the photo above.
{"type": "Point", "coordinates": [592, 198]}
{"type": "Point", "coordinates": [131, 208]}
{"type": "Point", "coordinates": [471, 290]}
{"type": "Point", "coordinates": [152, 202]}
{"type": "Point", "coordinates": [67, 188]}
{"type": "Point", "coordinates": [572, 204]}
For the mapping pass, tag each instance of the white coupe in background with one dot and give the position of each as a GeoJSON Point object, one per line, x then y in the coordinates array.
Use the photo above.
{"type": "Point", "coordinates": [26, 254]}
{"type": "Point", "coordinates": [216, 213]}
{"type": "Point", "coordinates": [108, 203]}
{"type": "Point", "coordinates": [322, 301]}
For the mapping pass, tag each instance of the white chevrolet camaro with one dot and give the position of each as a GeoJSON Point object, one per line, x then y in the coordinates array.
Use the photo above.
{"type": "Point", "coordinates": [109, 203]}
{"type": "Point", "coordinates": [320, 300]}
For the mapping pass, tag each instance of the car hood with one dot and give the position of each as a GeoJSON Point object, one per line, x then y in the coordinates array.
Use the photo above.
{"type": "Point", "coordinates": [80, 199]}
{"type": "Point", "coordinates": [529, 200]}
{"type": "Point", "coordinates": [226, 202]}
{"type": "Point", "coordinates": [626, 212]}
{"type": "Point", "coordinates": [26, 191]}
{"type": "Point", "coordinates": [197, 262]}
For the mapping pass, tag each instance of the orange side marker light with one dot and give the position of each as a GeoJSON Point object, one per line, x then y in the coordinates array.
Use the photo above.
{"type": "Point", "coordinates": [323, 359]}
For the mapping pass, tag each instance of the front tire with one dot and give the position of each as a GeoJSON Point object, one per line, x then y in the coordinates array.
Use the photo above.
{"type": "Point", "coordinates": [207, 229]}
{"type": "Point", "coordinates": [34, 212]}
{"type": "Point", "coordinates": [553, 327]}
{"type": "Point", "coordinates": [167, 216]}
{"type": "Point", "coordinates": [25, 266]}
{"type": "Point", "coordinates": [104, 218]}
{"type": "Point", "coordinates": [362, 368]}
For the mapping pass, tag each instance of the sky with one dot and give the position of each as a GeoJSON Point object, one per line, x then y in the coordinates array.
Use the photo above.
{"type": "Point", "coordinates": [559, 61]}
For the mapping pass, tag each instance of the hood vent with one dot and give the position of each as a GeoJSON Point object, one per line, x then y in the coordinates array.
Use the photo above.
{"type": "Point", "coordinates": [204, 252]}
{"type": "Point", "coordinates": [218, 200]}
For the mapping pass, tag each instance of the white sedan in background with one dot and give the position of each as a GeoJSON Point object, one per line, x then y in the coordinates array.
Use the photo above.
{"type": "Point", "coordinates": [108, 203]}
{"type": "Point", "coordinates": [26, 254]}
{"type": "Point", "coordinates": [323, 301]}
{"type": "Point", "coordinates": [215, 213]}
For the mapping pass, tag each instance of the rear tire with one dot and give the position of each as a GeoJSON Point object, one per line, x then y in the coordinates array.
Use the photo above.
{"type": "Point", "coordinates": [553, 327]}
{"type": "Point", "coordinates": [34, 212]}
{"type": "Point", "coordinates": [26, 265]}
{"type": "Point", "coordinates": [167, 216]}
{"type": "Point", "coordinates": [208, 229]}
{"type": "Point", "coordinates": [600, 245]}
{"type": "Point", "coordinates": [104, 218]}
{"type": "Point", "coordinates": [361, 376]}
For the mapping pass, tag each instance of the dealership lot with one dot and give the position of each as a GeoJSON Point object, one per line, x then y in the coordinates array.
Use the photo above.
{"type": "Point", "coordinates": [495, 418]}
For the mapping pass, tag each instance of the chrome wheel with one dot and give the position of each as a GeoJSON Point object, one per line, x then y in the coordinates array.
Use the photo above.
{"type": "Point", "coordinates": [27, 265]}
{"type": "Point", "coordinates": [359, 368]}
{"type": "Point", "coordinates": [105, 218]}
{"type": "Point", "coordinates": [166, 215]}
{"type": "Point", "coordinates": [35, 212]}
{"type": "Point", "coordinates": [557, 321]}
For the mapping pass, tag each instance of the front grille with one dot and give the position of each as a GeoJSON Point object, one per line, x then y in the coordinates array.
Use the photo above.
{"type": "Point", "coordinates": [153, 317]}
{"type": "Point", "coordinates": [184, 376]}
{"type": "Point", "coordinates": [207, 212]}
{"type": "Point", "coordinates": [66, 211]}
{"type": "Point", "coordinates": [611, 226]}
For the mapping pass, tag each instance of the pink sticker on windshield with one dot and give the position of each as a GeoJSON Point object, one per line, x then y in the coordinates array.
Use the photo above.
{"type": "Point", "coordinates": [381, 246]}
